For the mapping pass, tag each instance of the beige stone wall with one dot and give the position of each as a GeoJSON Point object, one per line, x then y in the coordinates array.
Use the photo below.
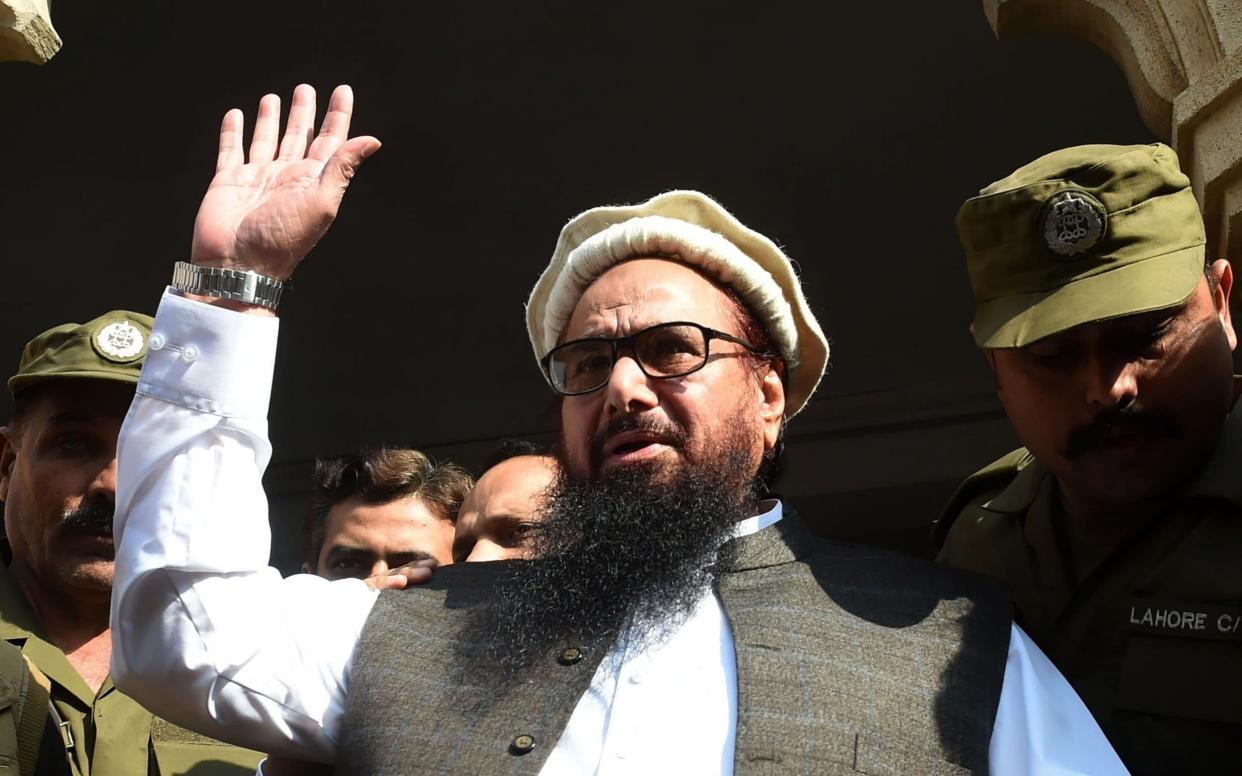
{"type": "Point", "coordinates": [1183, 60]}
{"type": "Point", "coordinates": [26, 31]}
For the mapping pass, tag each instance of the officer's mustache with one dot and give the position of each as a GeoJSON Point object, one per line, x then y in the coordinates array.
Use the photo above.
{"type": "Point", "coordinates": [90, 516]}
{"type": "Point", "coordinates": [1135, 419]}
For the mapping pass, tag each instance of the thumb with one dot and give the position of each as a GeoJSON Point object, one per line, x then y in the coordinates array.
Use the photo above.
{"type": "Point", "coordinates": [341, 167]}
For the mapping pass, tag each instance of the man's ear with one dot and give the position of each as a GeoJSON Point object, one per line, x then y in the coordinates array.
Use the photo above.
{"type": "Point", "coordinates": [772, 403]}
{"type": "Point", "coordinates": [8, 456]}
{"type": "Point", "coordinates": [306, 568]}
{"type": "Point", "coordinates": [1222, 273]}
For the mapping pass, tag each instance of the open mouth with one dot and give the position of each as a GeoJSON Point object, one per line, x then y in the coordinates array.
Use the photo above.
{"type": "Point", "coordinates": [634, 446]}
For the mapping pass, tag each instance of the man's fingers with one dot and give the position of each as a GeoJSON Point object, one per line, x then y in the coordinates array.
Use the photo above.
{"type": "Point", "coordinates": [340, 169]}
{"type": "Point", "coordinates": [335, 127]}
{"type": "Point", "coordinates": [230, 153]}
{"type": "Point", "coordinates": [266, 130]}
{"type": "Point", "coordinates": [301, 124]}
{"type": "Point", "coordinates": [402, 576]}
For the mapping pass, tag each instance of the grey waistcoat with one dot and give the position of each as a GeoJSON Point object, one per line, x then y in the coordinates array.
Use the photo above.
{"type": "Point", "coordinates": [849, 660]}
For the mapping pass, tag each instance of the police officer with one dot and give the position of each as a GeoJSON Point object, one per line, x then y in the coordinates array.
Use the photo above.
{"type": "Point", "coordinates": [1118, 527]}
{"type": "Point", "coordinates": [72, 389]}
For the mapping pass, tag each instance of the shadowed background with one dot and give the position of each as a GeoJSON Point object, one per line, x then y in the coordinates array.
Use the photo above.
{"type": "Point", "coordinates": [850, 133]}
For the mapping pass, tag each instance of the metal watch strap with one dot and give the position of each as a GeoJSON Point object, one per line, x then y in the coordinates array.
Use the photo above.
{"type": "Point", "coordinates": [245, 286]}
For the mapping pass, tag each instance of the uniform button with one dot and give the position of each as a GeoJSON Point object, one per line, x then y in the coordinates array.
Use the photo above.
{"type": "Point", "coordinates": [189, 353]}
{"type": "Point", "coordinates": [156, 342]}
{"type": "Point", "coordinates": [522, 744]}
{"type": "Point", "coordinates": [569, 656]}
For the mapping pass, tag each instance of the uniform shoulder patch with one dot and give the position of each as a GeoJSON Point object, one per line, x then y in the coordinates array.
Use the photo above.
{"type": "Point", "coordinates": [994, 476]}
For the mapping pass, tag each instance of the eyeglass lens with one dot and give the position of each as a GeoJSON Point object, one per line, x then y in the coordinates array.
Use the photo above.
{"type": "Point", "coordinates": [661, 351]}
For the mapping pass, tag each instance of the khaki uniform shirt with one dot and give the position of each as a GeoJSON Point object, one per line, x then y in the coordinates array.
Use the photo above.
{"type": "Point", "coordinates": [108, 732]}
{"type": "Point", "coordinates": [1151, 636]}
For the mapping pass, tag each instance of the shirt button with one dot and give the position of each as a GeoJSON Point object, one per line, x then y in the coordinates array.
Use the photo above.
{"type": "Point", "coordinates": [522, 744]}
{"type": "Point", "coordinates": [156, 342]}
{"type": "Point", "coordinates": [189, 353]}
{"type": "Point", "coordinates": [569, 656]}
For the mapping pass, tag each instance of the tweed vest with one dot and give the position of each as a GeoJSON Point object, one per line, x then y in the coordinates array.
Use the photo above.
{"type": "Point", "coordinates": [849, 660]}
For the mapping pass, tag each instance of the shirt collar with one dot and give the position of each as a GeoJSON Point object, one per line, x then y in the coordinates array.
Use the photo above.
{"type": "Point", "coordinates": [1218, 477]}
{"type": "Point", "coordinates": [772, 513]}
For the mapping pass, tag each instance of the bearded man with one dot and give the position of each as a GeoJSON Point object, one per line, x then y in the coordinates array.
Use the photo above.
{"type": "Point", "coordinates": [676, 619]}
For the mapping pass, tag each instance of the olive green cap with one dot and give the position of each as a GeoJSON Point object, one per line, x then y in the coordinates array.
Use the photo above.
{"type": "Point", "coordinates": [1083, 234]}
{"type": "Point", "coordinates": [111, 347]}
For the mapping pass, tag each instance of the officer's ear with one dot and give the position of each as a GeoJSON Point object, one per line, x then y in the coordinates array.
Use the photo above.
{"type": "Point", "coordinates": [8, 455]}
{"type": "Point", "coordinates": [1221, 284]}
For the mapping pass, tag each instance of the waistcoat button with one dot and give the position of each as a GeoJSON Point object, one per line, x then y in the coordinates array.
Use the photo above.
{"type": "Point", "coordinates": [569, 656]}
{"type": "Point", "coordinates": [522, 744]}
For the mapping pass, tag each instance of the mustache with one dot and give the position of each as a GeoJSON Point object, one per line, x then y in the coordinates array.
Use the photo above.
{"type": "Point", "coordinates": [1135, 419]}
{"type": "Point", "coordinates": [89, 517]}
{"type": "Point", "coordinates": [668, 430]}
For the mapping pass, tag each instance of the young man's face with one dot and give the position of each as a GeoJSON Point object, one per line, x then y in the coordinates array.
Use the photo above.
{"type": "Point", "coordinates": [363, 540]}
{"type": "Point", "coordinates": [1125, 409]}
{"type": "Point", "coordinates": [58, 484]}
{"type": "Point", "coordinates": [676, 422]}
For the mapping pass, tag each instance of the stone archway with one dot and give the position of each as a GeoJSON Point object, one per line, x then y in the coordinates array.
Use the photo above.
{"type": "Point", "coordinates": [1183, 61]}
{"type": "Point", "coordinates": [26, 31]}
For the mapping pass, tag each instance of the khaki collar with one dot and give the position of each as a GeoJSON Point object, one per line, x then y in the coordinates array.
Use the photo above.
{"type": "Point", "coordinates": [1218, 478]}
{"type": "Point", "coordinates": [18, 625]}
{"type": "Point", "coordinates": [17, 619]}
{"type": "Point", "coordinates": [1020, 493]}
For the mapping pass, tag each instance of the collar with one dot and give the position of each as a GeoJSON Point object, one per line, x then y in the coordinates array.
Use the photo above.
{"type": "Point", "coordinates": [771, 538]}
{"type": "Point", "coordinates": [1020, 493]}
{"type": "Point", "coordinates": [772, 513]}
{"type": "Point", "coordinates": [17, 619]}
{"type": "Point", "coordinates": [1217, 478]}
{"type": "Point", "coordinates": [18, 625]}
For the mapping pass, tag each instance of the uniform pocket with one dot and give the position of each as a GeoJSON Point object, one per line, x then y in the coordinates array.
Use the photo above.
{"type": "Point", "coordinates": [1175, 676]}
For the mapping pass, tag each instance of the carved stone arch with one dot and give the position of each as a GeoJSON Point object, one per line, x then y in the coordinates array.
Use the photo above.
{"type": "Point", "coordinates": [1183, 61]}
{"type": "Point", "coordinates": [26, 32]}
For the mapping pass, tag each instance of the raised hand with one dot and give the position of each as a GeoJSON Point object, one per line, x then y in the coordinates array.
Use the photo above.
{"type": "Point", "coordinates": [267, 213]}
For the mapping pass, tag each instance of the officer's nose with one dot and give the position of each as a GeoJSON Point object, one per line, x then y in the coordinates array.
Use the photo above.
{"type": "Point", "coordinates": [104, 483]}
{"type": "Point", "coordinates": [629, 390]}
{"type": "Point", "coordinates": [1111, 382]}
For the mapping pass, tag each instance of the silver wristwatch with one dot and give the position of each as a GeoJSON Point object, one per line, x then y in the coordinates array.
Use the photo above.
{"type": "Point", "coordinates": [245, 286]}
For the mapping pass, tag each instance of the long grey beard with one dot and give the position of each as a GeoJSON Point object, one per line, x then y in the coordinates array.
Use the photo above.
{"type": "Point", "coordinates": [622, 553]}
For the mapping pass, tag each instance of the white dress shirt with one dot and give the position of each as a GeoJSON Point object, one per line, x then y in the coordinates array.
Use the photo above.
{"type": "Point", "coordinates": [207, 635]}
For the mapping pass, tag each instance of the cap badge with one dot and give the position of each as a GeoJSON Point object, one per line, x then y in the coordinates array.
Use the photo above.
{"type": "Point", "coordinates": [119, 341]}
{"type": "Point", "coordinates": [1073, 223]}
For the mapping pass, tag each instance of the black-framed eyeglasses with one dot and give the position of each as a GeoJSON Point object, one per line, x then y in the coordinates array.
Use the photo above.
{"type": "Point", "coordinates": [662, 351]}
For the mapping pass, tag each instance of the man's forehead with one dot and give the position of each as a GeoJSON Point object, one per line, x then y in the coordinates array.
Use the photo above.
{"type": "Point", "coordinates": [647, 287]}
{"type": "Point", "coordinates": [511, 483]}
{"type": "Point", "coordinates": [83, 400]}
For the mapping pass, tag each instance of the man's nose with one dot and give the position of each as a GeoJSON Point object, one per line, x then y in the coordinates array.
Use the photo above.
{"type": "Point", "coordinates": [104, 483]}
{"type": "Point", "coordinates": [629, 389]}
{"type": "Point", "coordinates": [1111, 382]}
{"type": "Point", "coordinates": [378, 567]}
{"type": "Point", "coordinates": [485, 550]}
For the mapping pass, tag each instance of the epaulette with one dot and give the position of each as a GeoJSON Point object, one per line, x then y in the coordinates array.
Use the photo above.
{"type": "Point", "coordinates": [991, 477]}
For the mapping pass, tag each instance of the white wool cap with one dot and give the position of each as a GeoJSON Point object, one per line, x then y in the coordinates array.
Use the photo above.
{"type": "Point", "coordinates": [692, 228]}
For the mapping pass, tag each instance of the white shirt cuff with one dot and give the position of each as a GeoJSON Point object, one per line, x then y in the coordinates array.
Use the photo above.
{"type": "Point", "coordinates": [210, 359]}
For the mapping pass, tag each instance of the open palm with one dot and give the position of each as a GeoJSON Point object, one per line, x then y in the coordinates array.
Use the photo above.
{"type": "Point", "coordinates": [267, 214]}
